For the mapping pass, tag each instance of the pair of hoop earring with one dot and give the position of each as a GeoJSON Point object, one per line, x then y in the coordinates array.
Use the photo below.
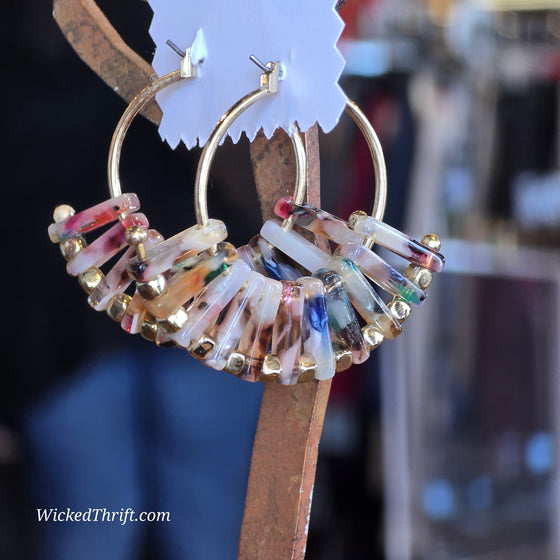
{"type": "Point", "coordinates": [276, 309]}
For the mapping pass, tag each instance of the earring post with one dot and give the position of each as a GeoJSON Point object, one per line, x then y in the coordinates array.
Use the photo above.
{"type": "Point", "coordinates": [260, 64]}
{"type": "Point", "coordinates": [175, 48]}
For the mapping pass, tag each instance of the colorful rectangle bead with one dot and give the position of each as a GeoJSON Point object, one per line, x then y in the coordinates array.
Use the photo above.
{"type": "Point", "coordinates": [105, 246]}
{"type": "Point", "coordinates": [315, 220]}
{"type": "Point", "coordinates": [164, 255]}
{"type": "Point", "coordinates": [94, 217]}
{"type": "Point", "coordinates": [117, 279]}
{"type": "Point", "coordinates": [315, 331]}
{"type": "Point", "coordinates": [255, 340]}
{"type": "Point", "coordinates": [206, 307]}
{"type": "Point", "coordinates": [342, 319]}
{"type": "Point", "coordinates": [364, 298]}
{"type": "Point", "coordinates": [286, 332]}
{"type": "Point", "coordinates": [399, 243]}
{"type": "Point", "coordinates": [188, 281]}
{"type": "Point", "coordinates": [294, 245]}
{"type": "Point", "coordinates": [384, 275]}
{"type": "Point", "coordinates": [229, 331]}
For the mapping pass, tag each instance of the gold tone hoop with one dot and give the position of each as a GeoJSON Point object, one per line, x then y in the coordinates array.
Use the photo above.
{"type": "Point", "coordinates": [135, 106]}
{"type": "Point", "coordinates": [242, 105]}
{"type": "Point", "coordinates": [210, 148]}
{"type": "Point", "coordinates": [377, 157]}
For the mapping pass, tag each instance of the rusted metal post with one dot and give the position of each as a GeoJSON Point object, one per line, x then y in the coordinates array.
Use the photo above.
{"type": "Point", "coordinates": [99, 45]}
{"type": "Point", "coordinates": [278, 503]}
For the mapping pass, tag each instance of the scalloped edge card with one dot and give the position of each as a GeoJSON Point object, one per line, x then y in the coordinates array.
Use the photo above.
{"type": "Point", "coordinates": [223, 34]}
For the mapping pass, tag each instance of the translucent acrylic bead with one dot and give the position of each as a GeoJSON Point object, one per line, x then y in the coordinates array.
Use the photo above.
{"type": "Point", "coordinates": [228, 331]}
{"type": "Point", "coordinates": [342, 319]}
{"type": "Point", "coordinates": [190, 278]}
{"type": "Point", "coordinates": [294, 245]}
{"type": "Point", "coordinates": [384, 275]}
{"type": "Point", "coordinates": [206, 307]}
{"type": "Point", "coordinates": [105, 246]}
{"type": "Point", "coordinates": [399, 243]}
{"type": "Point", "coordinates": [163, 256]}
{"type": "Point", "coordinates": [117, 279]}
{"type": "Point", "coordinates": [286, 332]}
{"type": "Point", "coordinates": [316, 220]}
{"type": "Point", "coordinates": [255, 340]}
{"type": "Point", "coordinates": [315, 331]}
{"type": "Point", "coordinates": [94, 217]}
{"type": "Point", "coordinates": [364, 298]}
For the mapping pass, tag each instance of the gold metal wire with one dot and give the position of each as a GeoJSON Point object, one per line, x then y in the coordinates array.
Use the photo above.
{"type": "Point", "coordinates": [210, 148]}
{"type": "Point", "coordinates": [124, 123]}
{"type": "Point", "coordinates": [376, 151]}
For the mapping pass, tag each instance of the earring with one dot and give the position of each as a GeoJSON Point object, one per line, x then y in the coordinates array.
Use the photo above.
{"type": "Point", "coordinates": [167, 274]}
{"type": "Point", "coordinates": [277, 309]}
{"type": "Point", "coordinates": [294, 317]}
{"type": "Point", "coordinates": [108, 292]}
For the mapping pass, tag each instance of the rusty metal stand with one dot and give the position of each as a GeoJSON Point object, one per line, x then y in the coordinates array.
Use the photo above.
{"type": "Point", "coordinates": [283, 464]}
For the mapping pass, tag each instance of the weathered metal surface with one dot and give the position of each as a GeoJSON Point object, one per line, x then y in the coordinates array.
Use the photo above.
{"type": "Point", "coordinates": [99, 45]}
{"type": "Point", "coordinates": [278, 504]}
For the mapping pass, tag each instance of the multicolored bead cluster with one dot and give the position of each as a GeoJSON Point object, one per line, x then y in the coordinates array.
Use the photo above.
{"type": "Point", "coordinates": [277, 309]}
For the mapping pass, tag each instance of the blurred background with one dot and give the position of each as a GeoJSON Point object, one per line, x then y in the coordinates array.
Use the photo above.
{"type": "Point", "coordinates": [443, 446]}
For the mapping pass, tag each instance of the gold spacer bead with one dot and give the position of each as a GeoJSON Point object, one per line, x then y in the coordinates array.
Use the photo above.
{"type": "Point", "coordinates": [135, 235]}
{"type": "Point", "coordinates": [153, 288]}
{"type": "Point", "coordinates": [372, 337]}
{"type": "Point", "coordinates": [90, 279]}
{"type": "Point", "coordinates": [422, 277]}
{"type": "Point", "coordinates": [342, 356]}
{"type": "Point", "coordinates": [355, 217]}
{"type": "Point", "coordinates": [174, 322]}
{"type": "Point", "coordinates": [148, 328]}
{"type": "Point", "coordinates": [431, 241]}
{"type": "Point", "coordinates": [202, 347]}
{"type": "Point", "coordinates": [307, 368]}
{"type": "Point", "coordinates": [71, 247]}
{"type": "Point", "coordinates": [117, 306]}
{"type": "Point", "coordinates": [271, 369]}
{"type": "Point", "coordinates": [235, 363]}
{"type": "Point", "coordinates": [399, 308]}
{"type": "Point", "coordinates": [63, 212]}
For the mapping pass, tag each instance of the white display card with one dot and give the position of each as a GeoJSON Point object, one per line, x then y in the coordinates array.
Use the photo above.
{"type": "Point", "coordinates": [300, 34]}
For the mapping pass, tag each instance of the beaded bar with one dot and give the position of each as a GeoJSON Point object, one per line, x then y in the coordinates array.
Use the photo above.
{"type": "Point", "coordinates": [286, 332]}
{"type": "Point", "coordinates": [228, 332]}
{"type": "Point", "coordinates": [399, 243]}
{"type": "Point", "coordinates": [117, 279]}
{"type": "Point", "coordinates": [255, 339]}
{"type": "Point", "coordinates": [206, 307]}
{"type": "Point", "coordinates": [342, 319]}
{"type": "Point", "coordinates": [187, 282]}
{"type": "Point", "coordinates": [94, 217]}
{"type": "Point", "coordinates": [163, 256]}
{"type": "Point", "coordinates": [364, 298]}
{"type": "Point", "coordinates": [105, 246]}
{"type": "Point", "coordinates": [316, 334]}
{"type": "Point", "coordinates": [384, 275]}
